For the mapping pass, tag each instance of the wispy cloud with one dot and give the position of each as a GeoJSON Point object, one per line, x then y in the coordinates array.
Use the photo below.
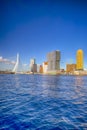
{"type": "Point", "coordinates": [1, 57]}
{"type": "Point", "coordinates": [25, 64]}
{"type": "Point", "coordinates": [6, 60]}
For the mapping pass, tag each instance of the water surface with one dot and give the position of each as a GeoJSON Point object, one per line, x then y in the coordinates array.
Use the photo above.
{"type": "Point", "coordinates": [41, 102]}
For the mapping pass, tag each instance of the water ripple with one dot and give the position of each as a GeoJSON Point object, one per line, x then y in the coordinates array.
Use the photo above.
{"type": "Point", "coordinates": [41, 102]}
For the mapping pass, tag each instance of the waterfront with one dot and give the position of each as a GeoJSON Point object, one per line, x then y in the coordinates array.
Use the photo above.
{"type": "Point", "coordinates": [41, 102]}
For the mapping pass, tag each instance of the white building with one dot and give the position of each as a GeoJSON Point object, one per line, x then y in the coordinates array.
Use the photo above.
{"type": "Point", "coordinates": [45, 67]}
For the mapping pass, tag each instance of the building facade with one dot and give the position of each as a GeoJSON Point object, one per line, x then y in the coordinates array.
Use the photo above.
{"type": "Point", "coordinates": [33, 65]}
{"type": "Point", "coordinates": [41, 69]}
{"type": "Point", "coordinates": [70, 68]}
{"type": "Point", "coordinates": [45, 67]}
{"type": "Point", "coordinates": [79, 60]}
{"type": "Point", "coordinates": [53, 59]}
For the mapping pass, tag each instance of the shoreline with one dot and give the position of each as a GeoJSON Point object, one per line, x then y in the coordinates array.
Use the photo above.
{"type": "Point", "coordinates": [48, 74]}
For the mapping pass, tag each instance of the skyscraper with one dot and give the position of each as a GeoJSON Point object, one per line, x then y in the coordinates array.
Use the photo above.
{"type": "Point", "coordinates": [79, 60]}
{"type": "Point", "coordinates": [33, 65]}
{"type": "Point", "coordinates": [53, 59]}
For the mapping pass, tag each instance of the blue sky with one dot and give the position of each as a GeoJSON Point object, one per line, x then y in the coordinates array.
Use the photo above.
{"type": "Point", "coordinates": [35, 28]}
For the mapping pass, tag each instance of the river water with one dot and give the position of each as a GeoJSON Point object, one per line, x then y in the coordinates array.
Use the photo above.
{"type": "Point", "coordinates": [41, 102]}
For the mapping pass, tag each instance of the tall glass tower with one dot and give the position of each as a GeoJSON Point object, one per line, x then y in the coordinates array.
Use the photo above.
{"type": "Point", "coordinates": [79, 59]}
{"type": "Point", "coordinates": [53, 59]}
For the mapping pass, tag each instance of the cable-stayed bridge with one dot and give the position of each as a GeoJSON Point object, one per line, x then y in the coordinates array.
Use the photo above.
{"type": "Point", "coordinates": [18, 68]}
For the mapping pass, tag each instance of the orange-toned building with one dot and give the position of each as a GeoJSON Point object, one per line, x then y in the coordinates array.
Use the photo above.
{"type": "Point", "coordinates": [79, 60]}
{"type": "Point", "coordinates": [70, 68]}
{"type": "Point", "coordinates": [41, 69]}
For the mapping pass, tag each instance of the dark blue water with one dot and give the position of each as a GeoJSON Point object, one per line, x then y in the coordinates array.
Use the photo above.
{"type": "Point", "coordinates": [37, 102]}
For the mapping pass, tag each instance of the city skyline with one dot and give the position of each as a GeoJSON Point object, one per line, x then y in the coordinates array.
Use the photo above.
{"type": "Point", "coordinates": [35, 28]}
{"type": "Point", "coordinates": [50, 55]}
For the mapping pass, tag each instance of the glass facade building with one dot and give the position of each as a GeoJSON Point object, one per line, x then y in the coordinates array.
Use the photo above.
{"type": "Point", "coordinates": [53, 59]}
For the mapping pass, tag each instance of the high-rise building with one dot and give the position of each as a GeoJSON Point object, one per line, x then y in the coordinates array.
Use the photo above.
{"type": "Point", "coordinates": [53, 59]}
{"type": "Point", "coordinates": [33, 65]}
{"type": "Point", "coordinates": [79, 60]}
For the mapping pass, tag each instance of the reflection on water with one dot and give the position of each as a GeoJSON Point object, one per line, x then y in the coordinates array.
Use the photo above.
{"type": "Point", "coordinates": [79, 81]}
{"type": "Point", "coordinates": [79, 86]}
{"type": "Point", "coordinates": [43, 102]}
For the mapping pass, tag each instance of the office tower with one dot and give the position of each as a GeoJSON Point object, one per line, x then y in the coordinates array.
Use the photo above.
{"type": "Point", "coordinates": [79, 60]}
{"type": "Point", "coordinates": [53, 59]}
{"type": "Point", "coordinates": [33, 65]}
{"type": "Point", "coordinates": [70, 68]}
